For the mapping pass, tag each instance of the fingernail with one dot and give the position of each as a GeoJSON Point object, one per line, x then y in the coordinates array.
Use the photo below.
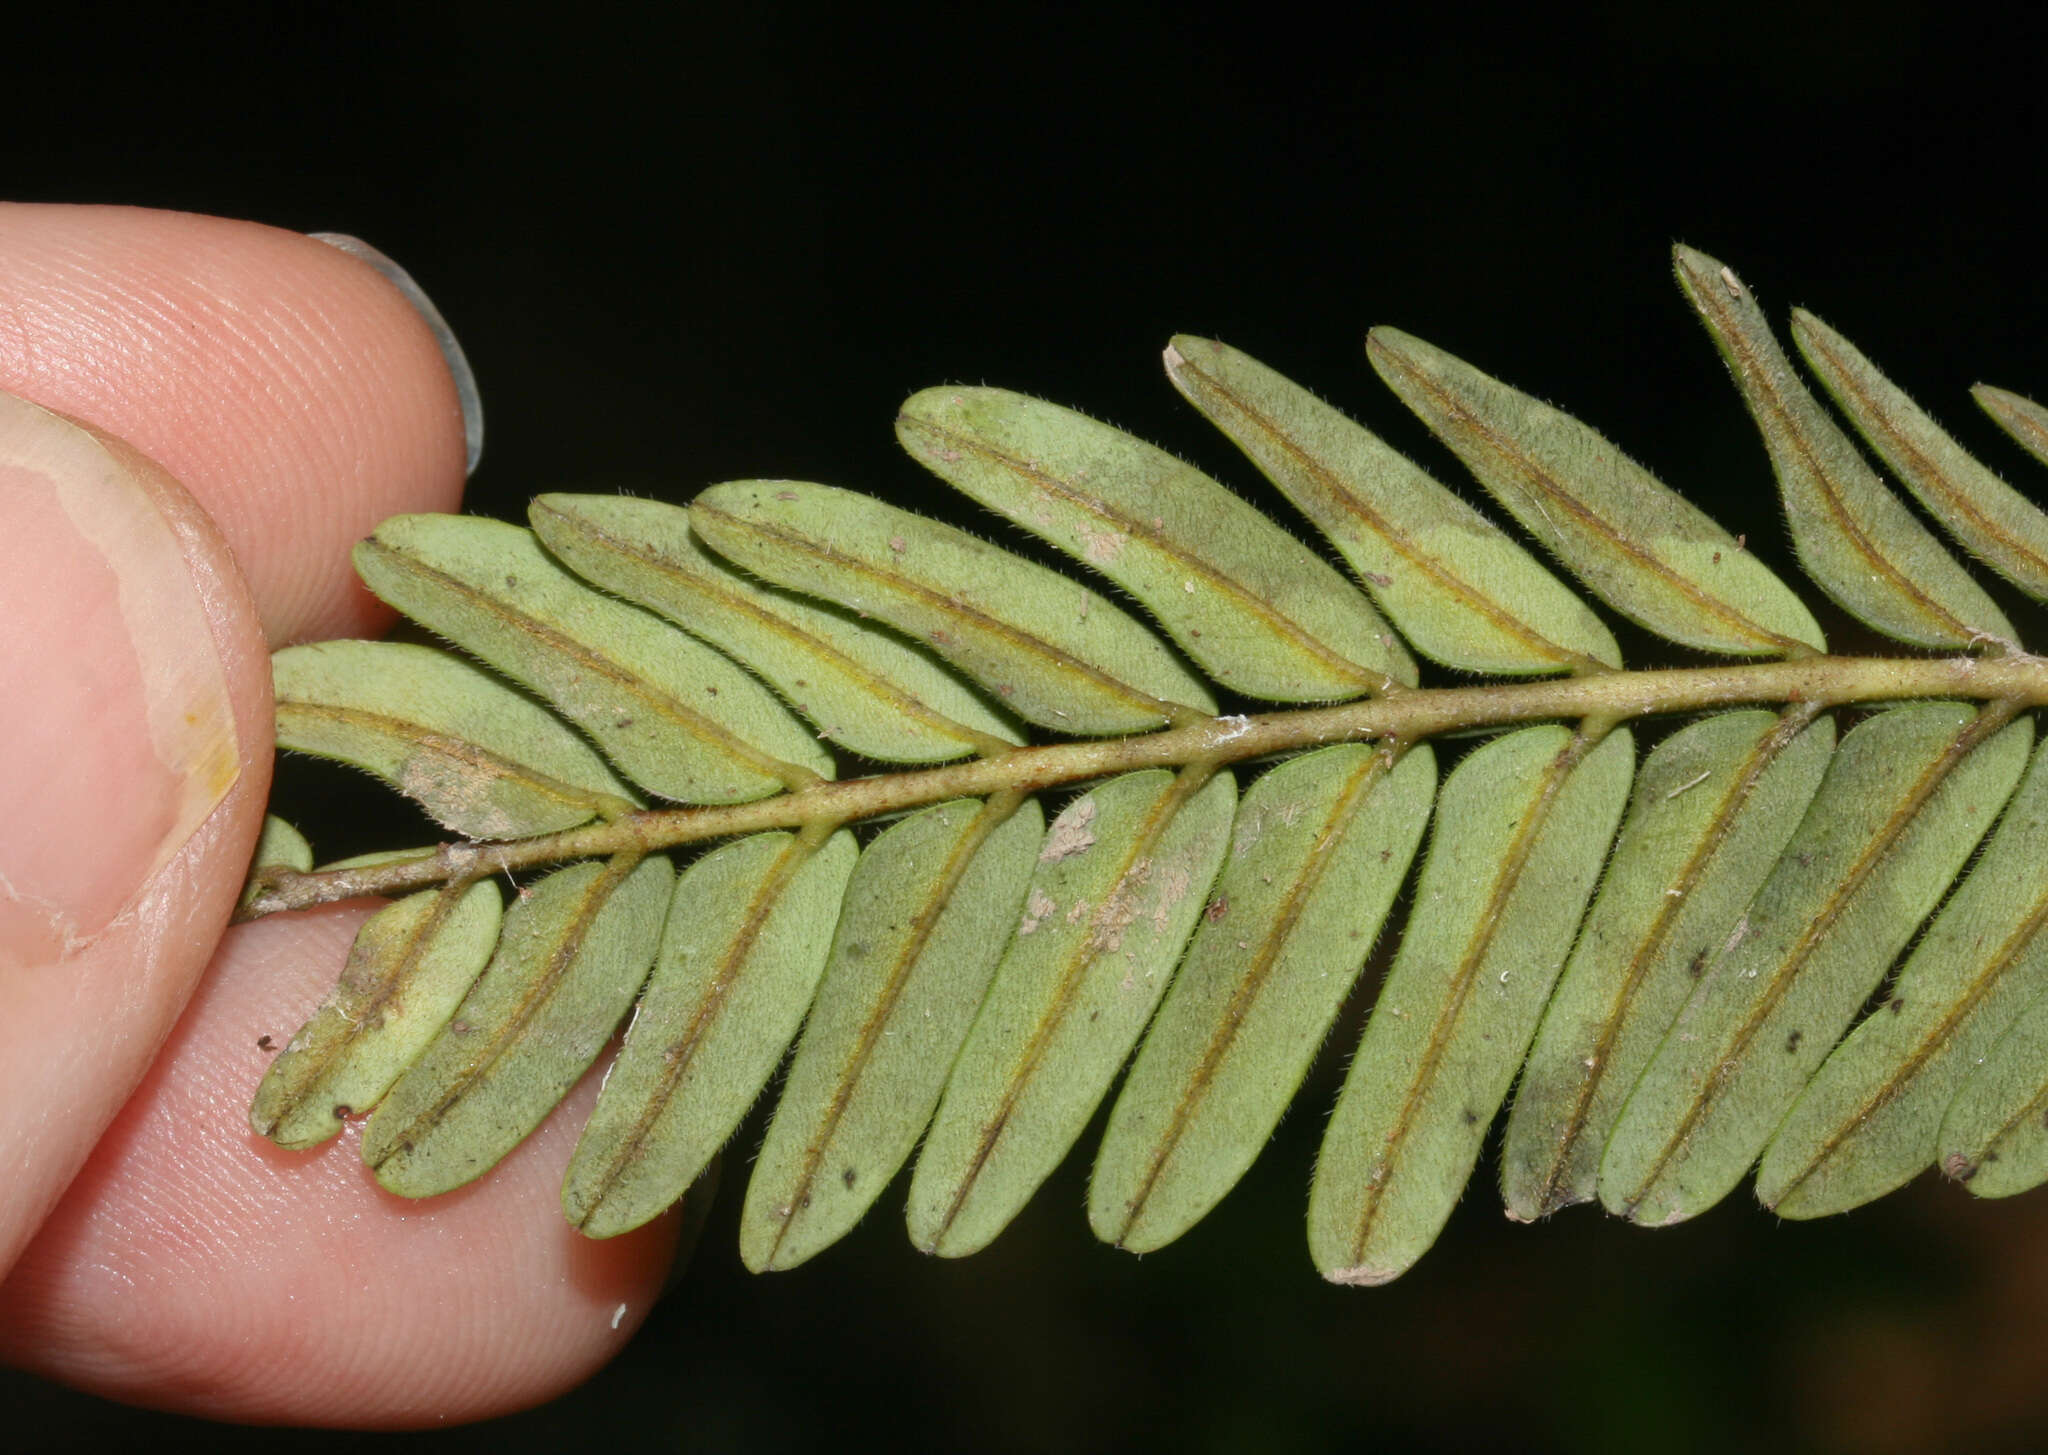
{"type": "Point", "coordinates": [117, 733]}
{"type": "Point", "coordinates": [458, 363]}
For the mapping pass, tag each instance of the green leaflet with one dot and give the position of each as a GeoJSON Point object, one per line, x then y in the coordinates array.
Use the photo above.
{"type": "Point", "coordinates": [2018, 416]}
{"type": "Point", "coordinates": [1980, 510]}
{"type": "Point", "coordinates": [1995, 1136]}
{"type": "Point", "coordinates": [1321, 844]}
{"type": "Point", "coordinates": [1122, 878]}
{"type": "Point", "coordinates": [410, 966]}
{"type": "Point", "coordinates": [1521, 830]}
{"type": "Point", "coordinates": [1871, 1117]}
{"type": "Point", "coordinates": [480, 758]}
{"type": "Point", "coordinates": [1909, 793]}
{"type": "Point", "coordinates": [1642, 548]}
{"type": "Point", "coordinates": [744, 947]}
{"type": "Point", "coordinates": [1253, 606]}
{"type": "Point", "coordinates": [1714, 805]}
{"type": "Point", "coordinates": [863, 688]}
{"type": "Point", "coordinates": [1854, 537]}
{"type": "Point", "coordinates": [281, 846]}
{"type": "Point", "coordinates": [1053, 651]}
{"type": "Point", "coordinates": [673, 714]}
{"type": "Point", "coordinates": [574, 951]}
{"type": "Point", "coordinates": [278, 846]}
{"type": "Point", "coordinates": [1458, 587]}
{"type": "Point", "coordinates": [931, 905]}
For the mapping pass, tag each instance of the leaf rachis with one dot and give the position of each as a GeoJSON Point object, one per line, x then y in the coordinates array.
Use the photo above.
{"type": "Point", "coordinates": [858, 715]}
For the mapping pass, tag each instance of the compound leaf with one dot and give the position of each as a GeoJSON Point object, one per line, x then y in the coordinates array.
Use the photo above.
{"type": "Point", "coordinates": [979, 981]}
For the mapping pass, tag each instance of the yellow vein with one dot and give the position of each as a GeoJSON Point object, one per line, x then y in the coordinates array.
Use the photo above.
{"type": "Point", "coordinates": [415, 946]}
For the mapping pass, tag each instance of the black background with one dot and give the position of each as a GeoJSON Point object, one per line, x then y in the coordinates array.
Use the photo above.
{"type": "Point", "coordinates": [700, 246]}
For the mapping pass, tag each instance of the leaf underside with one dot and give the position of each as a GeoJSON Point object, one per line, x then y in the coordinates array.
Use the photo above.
{"type": "Point", "coordinates": [1801, 937]}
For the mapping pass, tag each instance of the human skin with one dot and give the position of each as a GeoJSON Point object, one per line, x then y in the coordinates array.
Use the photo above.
{"type": "Point", "coordinates": [154, 1249]}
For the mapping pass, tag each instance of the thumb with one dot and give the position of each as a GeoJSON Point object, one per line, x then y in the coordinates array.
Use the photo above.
{"type": "Point", "coordinates": [134, 705]}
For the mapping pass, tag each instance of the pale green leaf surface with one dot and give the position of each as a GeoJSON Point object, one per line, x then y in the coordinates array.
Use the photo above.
{"type": "Point", "coordinates": [575, 949]}
{"type": "Point", "coordinates": [932, 903]}
{"type": "Point", "coordinates": [1320, 846]}
{"type": "Point", "coordinates": [1522, 828]}
{"type": "Point", "coordinates": [1870, 1119]}
{"type": "Point", "coordinates": [675, 716]}
{"type": "Point", "coordinates": [1457, 585]}
{"type": "Point", "coordinates": [1119, 884]}
{"type": "Point", "coordinates": [278, 846]}
{"type": "Point", "coordinates": [1981, 511]}
{"type": "Point", "coordinates": [747, 935]}
{"type": "Point", "coordinates": [1254, 607]}
{"type": "Point", "coordinates": [1995, 1135]}
{"type": "Point", "coordinates": [381, 857]}
{"type": "Point", "coordinates": [483, 760]}
{"type": "Point", "coordinates": [1714, 805]}
{"type": "Point", "coordinates": [410, 966]}
{"type": "Point", "coordinates": [2018, 416]}
{"type": "Point", "coordinates": [1053, 651]}
{"type": "Point", "coordinates": [1637, 544]}
{"type": "Point", "coordinates": [1904, 802]}
{"type": "Point", "coordinates": [1856, 539]}
{"type": "Point", "coordinates": [281, 846]}
{"type": "Point", "coordinates": [863, 688]}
